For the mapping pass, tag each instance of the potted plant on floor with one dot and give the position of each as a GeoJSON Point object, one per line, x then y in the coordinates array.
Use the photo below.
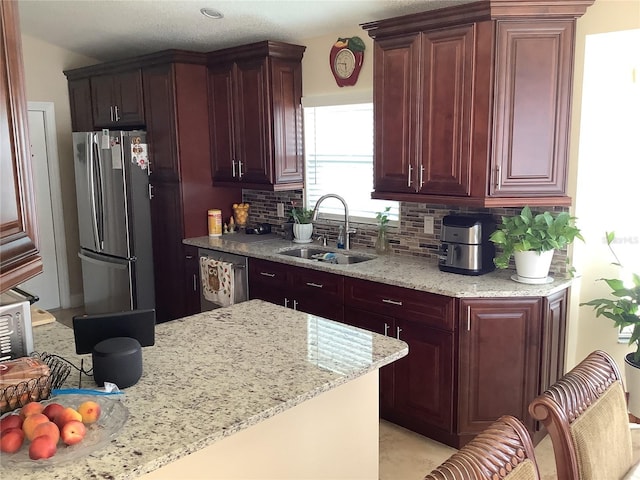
{"type": "Point", "coordinates": [623, 310]}
{"type": "Point", "coordinates": [302, 226]}
{"type": "Point", "coordinates": [532, 239]}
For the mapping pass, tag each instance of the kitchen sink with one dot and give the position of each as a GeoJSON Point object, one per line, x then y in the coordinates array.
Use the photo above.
{"type": "Point", "coordinates": [327, 256]}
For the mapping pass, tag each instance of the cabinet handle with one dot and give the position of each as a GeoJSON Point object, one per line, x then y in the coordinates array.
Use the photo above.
{"type": "Point", "coordinates": [392, 302]}
{"type": "Point", "coordinates": [286, 302]}
{"type": "Point", "coordinates": [150, 191]}
{"type": "Point", "coordinates": [317, 285]}
{"type": "Point", "coordinates": [468, 318]}
{"type": "Point", "coordinates": [421, 176]}
{"type": "Point", "coordinates": [409, 176]}
{"type": "Point", "coordinates": [386, 329]}
{"type": "Point", "coordinates": [398, 330]}
{"type": "Point", "coordinates": [116, 116]}
{"type": "Point", "coordinates": [239, 169]}
{"type": "Point", "coordinates": [498, 177]}
{"type": "Point", "coordinates": [188, 257]}
{"type": "Point", "coordinates": [111, 113]}
{"type": "Point", "coordinates": [233, 168]}
{"type": "Point", "coordinates": [295, 305]}
{"type": "Point", "coordinates": [267, 274]}
{"type": "Point", "coordinates": [195, 282]}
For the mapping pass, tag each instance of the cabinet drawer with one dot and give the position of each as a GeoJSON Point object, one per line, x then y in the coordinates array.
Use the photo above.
{"type": "Point", "coordinates": [267, 273]}
{"type": "Point", "coordinates": [313, 282]}
{"type": "Point", "coordinates": [428, 308]}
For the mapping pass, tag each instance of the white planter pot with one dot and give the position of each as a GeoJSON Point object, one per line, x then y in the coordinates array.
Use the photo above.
{"type": "Point", "coordinates": [302, 232]}
{"type": "Point", "coordinates": [632, 384]}
{"type": "Point", "coordinates": [533, 266]}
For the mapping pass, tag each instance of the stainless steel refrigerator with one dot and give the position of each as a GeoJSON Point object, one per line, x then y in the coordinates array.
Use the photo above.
{"type": "Point", "coordinates": [113, 194]}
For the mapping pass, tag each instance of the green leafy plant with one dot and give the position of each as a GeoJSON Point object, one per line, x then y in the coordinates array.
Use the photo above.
{"type": "Point", "coordinates": [529, 232]}
{"type": "Point", "coordinates": [383, 218]}
{"type": "Point", "coordinates": [623, 308]}
{"type": "Point", "coordinates": [301, 215]}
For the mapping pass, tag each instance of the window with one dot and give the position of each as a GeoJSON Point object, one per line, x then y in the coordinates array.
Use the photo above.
{"type": "Point", "coordinates": [339, 159]}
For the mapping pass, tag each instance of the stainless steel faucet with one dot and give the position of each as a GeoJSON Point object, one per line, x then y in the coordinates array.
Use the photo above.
{"type": "Point", "coordinates": [347, 230]}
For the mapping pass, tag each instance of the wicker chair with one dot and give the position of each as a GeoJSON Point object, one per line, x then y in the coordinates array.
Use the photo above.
{"type": "Point", "coordinates": [503, 450]}
{"type": "Point", "coordinates": [585, 413]}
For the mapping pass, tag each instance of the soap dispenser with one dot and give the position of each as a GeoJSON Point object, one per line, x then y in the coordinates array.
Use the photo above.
{"type": "Point", "coordinates": [341, 237]}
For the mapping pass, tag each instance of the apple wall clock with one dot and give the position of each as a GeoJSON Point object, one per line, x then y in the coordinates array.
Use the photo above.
{"type": "Point", "coordinates": [345, 60]}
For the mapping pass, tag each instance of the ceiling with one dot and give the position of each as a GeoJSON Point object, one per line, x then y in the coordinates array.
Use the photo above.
{"type": "Point", "coordinates": [114, 29]}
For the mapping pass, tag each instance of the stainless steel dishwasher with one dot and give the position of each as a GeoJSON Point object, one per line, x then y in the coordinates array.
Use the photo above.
{"type": "Point", "coordinates": [239, 271]}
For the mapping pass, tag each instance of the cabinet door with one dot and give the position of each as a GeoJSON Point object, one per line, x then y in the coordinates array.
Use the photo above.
{"type": "Point", "coordinates": [253, 126]}
{"type": "Point", "coordinates": [161, 131]}
{"type": "Point", "coordinates": [446, 91]}
{"type": "Point", "coordinates": [102, 100]}
{"type": "Point", "coordinates": [191, 280]}
{"type": "Point", "coordinates": [268, 281]}
{"type": "Point", "coordinates": [221, 104]}
{"type": "Point", "coordinates": [532, 107]}
{"type": "Point", "coordinates": [286, 97]}
{"type": "Point", "coordinates": [80, 104]}
{"type": "Point", "coordinates": [424, 378]}
{"type": "Point", "coordinates": [319, 293]}
{"type": "Point", "coordinates": [168, 254]}
{"type": "Point", "coordinates": [499, 360]}
{"type": "Point", "coordinates": [383, 325]}
{"type": "Point", "coordinates": [20, 259]}
{"type": "Point", "coordinates": [396, 64]}
{"type": "Point", "coordinates": [129, 98]}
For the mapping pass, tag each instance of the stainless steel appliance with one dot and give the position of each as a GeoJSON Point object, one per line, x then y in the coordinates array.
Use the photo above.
{"type": "Point", "coordinates": [113, 192]}
{"type": "Point", "coordinates": [465, 247]}
{"type": "Point", "coordinates": [240, 276]}
{"type": "Point", "coordinates": [16, 334]}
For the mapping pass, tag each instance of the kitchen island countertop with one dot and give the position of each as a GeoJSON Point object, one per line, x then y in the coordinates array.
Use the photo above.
{"type": "Point", "coordinates": [214, 374]}
{"type": "Point", "coordinates": [417, 273]}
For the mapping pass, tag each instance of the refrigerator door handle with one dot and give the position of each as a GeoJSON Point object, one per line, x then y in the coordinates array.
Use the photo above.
{"type": "Point", "coordinates": [117, 264]}
{"type": "Point", "coordinates": [92, 190]}
{"type": "Point", "coordinates": [99, 195]}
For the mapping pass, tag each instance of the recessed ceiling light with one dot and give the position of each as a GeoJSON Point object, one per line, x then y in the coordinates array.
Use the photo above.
{"type": "Point", "coordinates": [211, 13]}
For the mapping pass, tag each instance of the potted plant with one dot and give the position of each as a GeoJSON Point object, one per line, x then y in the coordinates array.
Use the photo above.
{"type": "Point", "coordinates": [532, 239]}
{"type": "Point", "coordinates": [623, 310]}
{"type": "Point", "coordinates": [382, 240]}
{"type": "Point", "coordinates": [302, 226]}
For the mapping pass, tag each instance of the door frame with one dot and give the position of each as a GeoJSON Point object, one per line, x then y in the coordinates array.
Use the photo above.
{"type": "Point", "coordinates": [55, 188]}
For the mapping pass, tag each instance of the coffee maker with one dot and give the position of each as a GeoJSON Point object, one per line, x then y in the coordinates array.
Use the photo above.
{"type": "Point", "coordinates": [464, 244]}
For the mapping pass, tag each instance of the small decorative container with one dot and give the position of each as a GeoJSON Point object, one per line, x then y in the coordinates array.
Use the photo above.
{"type": "Point", "coordinates": [214, 218]}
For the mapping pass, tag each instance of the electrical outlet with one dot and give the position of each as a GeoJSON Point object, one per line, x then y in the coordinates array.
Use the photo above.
{"type": "Point", "coordinates": [281, 210]}
{"type": "Point", "coordinates": [428, 224]}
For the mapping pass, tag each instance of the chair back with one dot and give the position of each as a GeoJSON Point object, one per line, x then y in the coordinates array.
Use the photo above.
{"type": "Point", "coordinates": [585, 413]}
{"type": "Point", "coordinates": [502, 451]}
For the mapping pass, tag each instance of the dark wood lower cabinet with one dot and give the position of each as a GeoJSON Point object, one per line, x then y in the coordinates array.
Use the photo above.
{"type": "Point", "coordinates": [470, 360]}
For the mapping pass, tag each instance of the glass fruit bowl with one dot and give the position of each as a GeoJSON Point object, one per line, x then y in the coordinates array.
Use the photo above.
{"type": "Point", "coordinates": [113, 416]}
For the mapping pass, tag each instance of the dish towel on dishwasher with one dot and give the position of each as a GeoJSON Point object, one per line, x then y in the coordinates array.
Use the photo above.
{"type": "Point", "coordinates": [217, 281]}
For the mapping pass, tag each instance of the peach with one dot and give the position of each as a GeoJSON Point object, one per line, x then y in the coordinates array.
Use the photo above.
{"type": "Point", "coordinates": [10, 421]}
{"type": "Point", "coordinates": [31, 422]}
{"type": "Point", "coordinates": [47, 428]}
{"type": "Point", "coordinates": [90, 411]}
{"type": "Point", "coordinates": [42, 447]}
{"type": "Point", "coordinates": [67, 415]}
{"type": "Point", "coordinates": [11, 440]}
{"type": "Point", "coordinates": [73, 432]}
{"type": "Point", "coordinates": [31, 408]}
{"type": "Point", "coordinates": [52, 410]}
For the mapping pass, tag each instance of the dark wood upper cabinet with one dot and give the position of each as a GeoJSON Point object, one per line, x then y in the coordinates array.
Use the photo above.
{"type": "Point", "coordinates": [255, 94]}
{"type": "Point", "coordinates": [80, 105]}
{"type": "Point", "coordinates": [117, 99]}
{"type": "Point", "coordinates": [473, 103]}
{"type": "Point", "coordinates": [20, 258]}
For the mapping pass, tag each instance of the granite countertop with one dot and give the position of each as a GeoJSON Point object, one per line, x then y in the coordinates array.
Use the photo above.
{"type": "Point", "coordinates": [403, 271]}
{"type": "Point", "coordinates": [227, 369]}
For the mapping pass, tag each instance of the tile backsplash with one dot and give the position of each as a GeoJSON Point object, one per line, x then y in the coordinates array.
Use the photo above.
{"type": "Point", "coordinates": [408, 238]}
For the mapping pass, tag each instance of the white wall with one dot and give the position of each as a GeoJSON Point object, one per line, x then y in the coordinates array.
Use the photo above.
{"type": "Point", "coordinates": [595, 165]}
{"type": "Point", "coordinates": [45, 82]}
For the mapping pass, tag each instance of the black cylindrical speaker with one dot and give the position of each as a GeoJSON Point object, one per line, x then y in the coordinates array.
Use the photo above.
{"type": "Point", "coordinates": [117, 360]}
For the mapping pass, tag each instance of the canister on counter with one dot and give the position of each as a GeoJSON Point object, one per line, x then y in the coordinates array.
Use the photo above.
{"type": "Point", "coordinates": [215, 222]}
